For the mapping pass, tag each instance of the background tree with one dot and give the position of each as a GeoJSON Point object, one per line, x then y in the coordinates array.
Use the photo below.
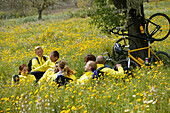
{"type": "Point", "coordinates": [134, 11]}
{"type": "Point", "coordinates": [41, 5]}
{"type": "Point", "coordinates": [14, 8]}
{"type": "Point", "coordinates": [110, 13]}
{"type": "Point", "coordinates": [105, 15]}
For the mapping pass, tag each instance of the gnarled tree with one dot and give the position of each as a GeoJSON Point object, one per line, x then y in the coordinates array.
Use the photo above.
{"type": "Point", "coordinates": [133, 12]}
{"type": "Point", "coordinates": [113, 13]}
{"type": "Point", "coordinates": [40, 5]}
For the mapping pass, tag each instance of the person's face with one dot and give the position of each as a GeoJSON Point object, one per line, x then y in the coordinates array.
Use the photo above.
{"type": "Point", "coordinates": [56, 68]}
{"type": "Point", "coordinates": [85, 59]}
{"type": "Point", "coordinates": [52, 58]}
{"type": "Point", "coordinates": [24, 70]}
{"type": "Point", "coordinates": [39, 52]}
{"type": "Point", "coordinates": [87, 67]}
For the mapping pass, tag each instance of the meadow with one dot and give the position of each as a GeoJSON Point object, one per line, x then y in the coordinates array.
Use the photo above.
{"type": "Point", "coordinates": [73, 38]}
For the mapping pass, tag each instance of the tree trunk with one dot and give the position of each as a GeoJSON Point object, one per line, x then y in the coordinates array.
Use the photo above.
{"type": "Point", "coordinates": [134, 29]}
{"type": "Point", "coordinates": [39, 14]}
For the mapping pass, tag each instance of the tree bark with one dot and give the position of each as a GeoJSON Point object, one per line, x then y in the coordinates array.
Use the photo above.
{"type": "Point", "coordinates": [134, 29]}
{"type": "Point", "coordinates": [39, 14]}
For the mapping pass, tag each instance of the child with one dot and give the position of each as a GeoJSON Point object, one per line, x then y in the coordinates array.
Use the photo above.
{"type": "Point", "coordinates": [22, 76]}
{"type": "Point", "coordinates": [65, 73]}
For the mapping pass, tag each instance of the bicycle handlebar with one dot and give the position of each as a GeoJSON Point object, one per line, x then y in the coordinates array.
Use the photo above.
{"type": "Point", "coordinates": [123, 34]}
{"type": "Point", "coordinates": [117, 28]}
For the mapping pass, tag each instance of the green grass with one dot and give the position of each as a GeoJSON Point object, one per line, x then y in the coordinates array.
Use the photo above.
{"type": "Point", "coordinates": [148, 92]}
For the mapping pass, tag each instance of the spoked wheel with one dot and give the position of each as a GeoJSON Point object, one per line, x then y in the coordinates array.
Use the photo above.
{"type": "Point", "coordinates": [164, 58]}
{"type": "Point", "coordinates": [128, 71]}
{"type": "Point", "coordinates": [120, 48]}
{"type": "Point", "coordinates": [158, 26]}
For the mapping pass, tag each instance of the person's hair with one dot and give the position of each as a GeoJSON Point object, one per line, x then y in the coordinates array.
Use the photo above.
{"type": "Point", "coordinates": [93, 65]}
{"type": "Point", "coordinates": [89, 57]}
{"type": "Point", "coordinates": [21, 68]}
{"type": "Point", "coordinates": [56, 54]}
{"type": "Point", "coordinates": [100, 59]}
{"type": "Point", "coordinates": [38, 47]}
{"type": "Point", "coordinates": [63, 65]}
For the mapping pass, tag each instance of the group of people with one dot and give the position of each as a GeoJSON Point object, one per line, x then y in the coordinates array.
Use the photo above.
{"type": "Point", "coordinates": [43, 69]}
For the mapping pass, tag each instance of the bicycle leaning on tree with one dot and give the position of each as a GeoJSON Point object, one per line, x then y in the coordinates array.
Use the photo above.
{"type": "Point", "coordinates": [154, 31]}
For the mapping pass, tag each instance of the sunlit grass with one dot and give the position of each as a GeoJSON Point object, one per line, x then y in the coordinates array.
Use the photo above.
{"type": "Point", "coordinates": [74, 38]}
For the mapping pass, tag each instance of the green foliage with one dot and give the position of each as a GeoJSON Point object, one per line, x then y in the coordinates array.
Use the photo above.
{"type": "Point", "coordinates": [81, 13]}
{"type": "Point", "coordinates": [147, 92]}
{"type": "Point", "coordinates": [105, 15]}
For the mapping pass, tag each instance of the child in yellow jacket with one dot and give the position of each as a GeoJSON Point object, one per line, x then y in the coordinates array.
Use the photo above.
{"type": "Point", "coordinates": [61, 69]}
{"type": "Point", "coordinates": [23, 77]}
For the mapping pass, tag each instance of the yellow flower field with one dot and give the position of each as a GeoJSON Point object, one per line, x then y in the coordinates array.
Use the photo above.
{"type": "Point", "coordinates": [148, 91]}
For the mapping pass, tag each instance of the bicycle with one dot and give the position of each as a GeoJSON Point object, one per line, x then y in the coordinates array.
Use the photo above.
{"type": "Point", "coordinates": [151, 30]}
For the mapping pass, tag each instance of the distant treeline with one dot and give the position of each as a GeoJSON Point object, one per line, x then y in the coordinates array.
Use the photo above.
{"type": "Point", "coordinates": [23, 8]}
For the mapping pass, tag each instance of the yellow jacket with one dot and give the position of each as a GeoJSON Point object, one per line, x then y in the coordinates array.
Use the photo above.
{"type": "Point", "coordinates": [35, 63]}
{"type": "Point", "coordinates": [48, 64]}
{"type": "Point", "coordinates": [25, 79]}
{"type": "Point", "coordinates": [85, 77]}
{"type": "Point", "coordinates": [73, 77]}
{"type": "Point", "coordinates": [112, 72]}
{"type": "Point", "coordinates": [49, 76]}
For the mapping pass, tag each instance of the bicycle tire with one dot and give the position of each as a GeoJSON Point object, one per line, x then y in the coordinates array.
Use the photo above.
{"type": "Point", "coordinates": [117, 54]}
{"type": "Point", "coordinates": [164, 57]}
{"type": "Point", "coordinates": [124, 63]}
{"type": "Point", "coordinates": [163, 21]}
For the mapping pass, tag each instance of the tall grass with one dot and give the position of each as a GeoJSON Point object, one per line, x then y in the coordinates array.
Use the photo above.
{"type": "Point", "coordinates": [74, 38]}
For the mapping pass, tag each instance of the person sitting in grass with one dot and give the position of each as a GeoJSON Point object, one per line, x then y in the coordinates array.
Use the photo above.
{"type": "Point", "coordinates": [48, 67]}
{"type": "Point", "coordinates": [22, 76]}
{"type": "Point", "coordinates": [90, 67]}
{"type": "Point", "coordinates": [65, 74]}
{"type": "Point", "coordinates": [61, 69]}
{"type": "Point", "coordinates": [100, 60]}
{"type": "Point", "coordinates": [89, 57]}
{"type": "Point", "coordinates": [47, 78]}
{"type": "Point", "coordinates": [39, 60]}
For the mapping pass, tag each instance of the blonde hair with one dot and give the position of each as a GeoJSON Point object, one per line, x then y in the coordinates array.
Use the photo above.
{"type": "Point", "coordinates": [63, 65]}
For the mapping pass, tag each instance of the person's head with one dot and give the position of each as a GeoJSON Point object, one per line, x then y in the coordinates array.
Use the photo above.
{"type": "Point", "coordinates": [100, 60]}
{"type": "Point", "coordinates": [90, 66]}
{"type": "Point", "coordinates": [39, 51]}
{"type": "Point", "coordinates": [56, 68]}
{"type": "Point", "coordinates": [54, 56]}
{"type": "Point", "coordinates": [23, 69]}
{"type": "Point", "coordinates": [62, 66]}
{"type": "Point", "coordinates": [89, 57]}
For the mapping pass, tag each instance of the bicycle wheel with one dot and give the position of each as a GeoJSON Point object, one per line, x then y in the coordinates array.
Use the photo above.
{"type": "Point", "coordinates": [164, 57]}
{"type": "Point", "coordinates": [158, 26]}
{"type": "Point", "coordinates": [128, 71]}
{"type": "Point", "coordinates": [120, 48]}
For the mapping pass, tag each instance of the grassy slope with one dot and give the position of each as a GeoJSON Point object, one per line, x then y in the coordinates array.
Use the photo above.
{"type": "Point", "coordinates": [74, 38]}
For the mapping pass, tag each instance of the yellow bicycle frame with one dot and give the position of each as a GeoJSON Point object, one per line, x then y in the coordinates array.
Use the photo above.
{"type": "Point", "coordinates": [150, 51]}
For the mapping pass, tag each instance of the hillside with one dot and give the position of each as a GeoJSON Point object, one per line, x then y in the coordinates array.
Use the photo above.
{"type": "Point", "coordinates": [73, 38]}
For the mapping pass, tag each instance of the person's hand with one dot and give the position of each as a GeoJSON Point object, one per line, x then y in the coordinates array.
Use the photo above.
{"type": "Point", "coordinates": [118, 65]}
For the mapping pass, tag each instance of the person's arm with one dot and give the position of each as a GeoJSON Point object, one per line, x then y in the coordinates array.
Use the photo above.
{"type": "Point", "coordinates": [35, 64]}
{"type": "Point", "coordinates": [119, 73]}
{"type": "Point", "coordinates": [47, 76]}
{"type": "Point", "coordinates": [43, 67]}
